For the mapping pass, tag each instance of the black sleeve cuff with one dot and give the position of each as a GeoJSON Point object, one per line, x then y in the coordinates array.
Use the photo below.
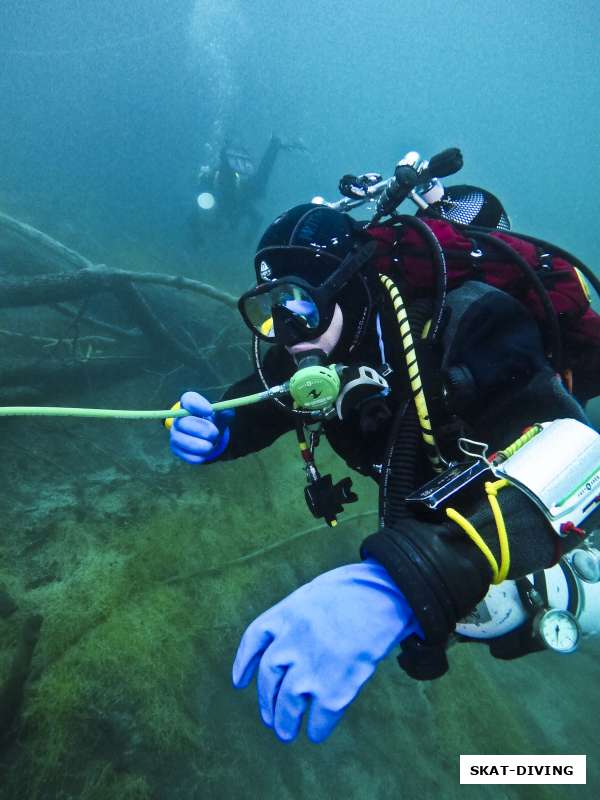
{"type": "Point", "coordinates": [442, 574]}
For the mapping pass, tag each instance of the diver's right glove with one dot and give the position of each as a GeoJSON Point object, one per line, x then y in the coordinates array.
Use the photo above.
{"type": "Point", "coordinates": [203, 436]}
{"type": "Point", "coordinates": [315, 649]}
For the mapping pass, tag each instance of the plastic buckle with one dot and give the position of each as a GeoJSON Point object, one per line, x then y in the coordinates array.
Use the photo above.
{"type": "Point", "coordinates": [545, 260]}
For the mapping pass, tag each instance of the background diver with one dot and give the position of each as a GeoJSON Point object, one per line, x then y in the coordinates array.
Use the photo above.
{"type": "Point", "coordinates": [423, 314]}
{"type": "Point", "coordinates": [227, 192]}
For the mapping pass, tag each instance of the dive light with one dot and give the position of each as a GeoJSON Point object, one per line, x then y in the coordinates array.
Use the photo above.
{"type": "Point", "coordinates": [206, 201]}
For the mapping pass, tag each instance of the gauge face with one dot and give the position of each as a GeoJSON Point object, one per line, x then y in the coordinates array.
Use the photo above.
{"type": "Point", "coordinates": [559, 630]}
{"type": "Point", "coordinates": [586, 564]}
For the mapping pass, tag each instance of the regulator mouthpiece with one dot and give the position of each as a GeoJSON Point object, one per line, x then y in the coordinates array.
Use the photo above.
{"type": "Point", "coordinates": [311, 358]}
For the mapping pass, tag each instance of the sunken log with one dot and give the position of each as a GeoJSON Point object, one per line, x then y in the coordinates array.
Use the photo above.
{"type": "Point", "coordinates": [55, 288]}
{"type": "Point", "coordinates": [25, 250]}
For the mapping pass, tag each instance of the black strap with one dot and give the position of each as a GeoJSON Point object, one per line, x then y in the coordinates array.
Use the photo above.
{"type": "Point", "coordinates": [541, 586]}
{"type": "Point", "coordinates": [524, 587]}
{"type": "Point", "coordinates": [574, 601]}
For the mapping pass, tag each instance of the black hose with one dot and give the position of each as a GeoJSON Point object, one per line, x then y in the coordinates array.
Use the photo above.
{"type": "Point", "coordinates": [439, 262]}
{"type": "Point", "coordinates": [553, 335]}
{"type": "Point", "coordinates": [554, 249]}
{"type": "Point", "coordinates": [400, 465]}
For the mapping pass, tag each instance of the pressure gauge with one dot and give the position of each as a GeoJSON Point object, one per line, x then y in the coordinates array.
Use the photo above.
{"type": "Point", "coordinates": [558, 630]}
{"type": "Point", "coordinates": [586, 564]}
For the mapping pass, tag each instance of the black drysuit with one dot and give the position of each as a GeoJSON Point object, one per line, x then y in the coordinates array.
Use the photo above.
{"type": "Point", "coordinates": [441, 572]}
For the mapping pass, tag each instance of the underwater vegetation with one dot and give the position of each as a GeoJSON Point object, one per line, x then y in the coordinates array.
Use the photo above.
{"type": "Point", "coordinates": [138, 599]}
{"type": "Point", "coordinates": [144, 599]}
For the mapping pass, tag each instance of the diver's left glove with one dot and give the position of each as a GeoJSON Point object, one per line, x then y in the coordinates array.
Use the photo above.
{"type": "Point", "coordinates": [320, 645]}
{"type": "Point", "coordinates": [203, 436]}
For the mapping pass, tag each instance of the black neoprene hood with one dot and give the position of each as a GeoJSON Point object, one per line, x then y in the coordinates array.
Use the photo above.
{"type": "Point", "coordinates": [308, 241]}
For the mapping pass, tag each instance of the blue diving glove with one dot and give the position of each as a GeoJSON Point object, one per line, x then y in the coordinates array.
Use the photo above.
{"type": "Point", "coordinates": [203, 437]}
{"type": "Point", "coordinates": [322, 643]}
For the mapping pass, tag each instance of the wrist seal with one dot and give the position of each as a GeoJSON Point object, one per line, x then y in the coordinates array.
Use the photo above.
{"type": "Point", "coordinates": [442, 574]}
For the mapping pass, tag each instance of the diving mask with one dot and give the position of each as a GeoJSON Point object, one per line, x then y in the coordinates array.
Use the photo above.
{"type": "Point", "coordinates": [289, 310]}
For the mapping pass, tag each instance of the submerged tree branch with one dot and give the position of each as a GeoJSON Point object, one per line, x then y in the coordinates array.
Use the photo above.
{"type": "Point", "coordinates": [49, 250]}
{"type": "Point", "coordinates": [41, 271]}
{"type": "Point", "coordinates": [58, 287]}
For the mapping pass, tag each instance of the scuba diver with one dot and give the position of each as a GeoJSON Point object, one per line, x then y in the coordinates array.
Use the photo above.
{"type": "Point", "coordinates": [227, 193]}
{"type": "Point", "coordinates": [448, 359]}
